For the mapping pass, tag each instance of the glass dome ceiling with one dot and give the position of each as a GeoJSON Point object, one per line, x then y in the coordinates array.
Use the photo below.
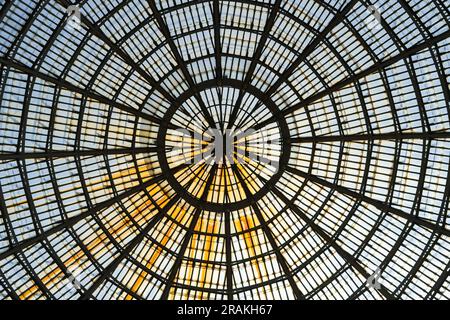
{"type": "Point", "coordinates": [349, 109]}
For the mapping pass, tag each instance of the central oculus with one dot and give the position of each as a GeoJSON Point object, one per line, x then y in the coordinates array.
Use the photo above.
{"type": "Point", "coordinates": [216, 155]}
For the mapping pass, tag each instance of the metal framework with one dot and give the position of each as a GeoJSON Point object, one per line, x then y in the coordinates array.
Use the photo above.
{"type": "Point", "coordinates": [348, 104]}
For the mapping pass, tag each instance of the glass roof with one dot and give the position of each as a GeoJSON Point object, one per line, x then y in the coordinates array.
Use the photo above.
{"type": "Point", "coordinates": [337, 115]}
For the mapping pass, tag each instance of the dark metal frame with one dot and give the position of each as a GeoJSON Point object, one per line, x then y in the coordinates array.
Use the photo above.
{"type": "Point", "coordinates": [412, 219]}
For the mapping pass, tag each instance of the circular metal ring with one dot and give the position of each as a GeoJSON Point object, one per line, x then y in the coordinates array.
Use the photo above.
{"type": "Point", "coordinates": [222, 207]}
